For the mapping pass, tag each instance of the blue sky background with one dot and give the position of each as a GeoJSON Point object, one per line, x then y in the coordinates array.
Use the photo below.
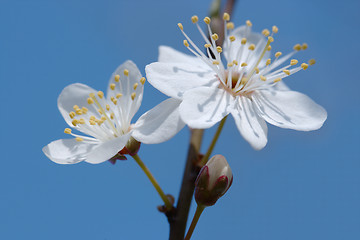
{"type": "Point", "coordinates": [303, 185]}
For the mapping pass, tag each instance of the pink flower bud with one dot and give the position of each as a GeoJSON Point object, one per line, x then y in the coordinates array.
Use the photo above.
{"type": "Point", "coordinates": [213, 181]}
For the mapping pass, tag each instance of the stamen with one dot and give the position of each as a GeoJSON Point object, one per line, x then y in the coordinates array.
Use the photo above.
{"type": "Point", "coordinates": [133, 95]}
{"type": "Point", "coordinates": [72, 115]}
{"type": "Point", "coordinates": [304, 46]}
{"type": "Point", "coordinates": [135, 86]}
{"type": "Point", "coordinates": [232, 38]}
{"type": "Point", "coordinates": [117, 78]}
{"type": "Point", "coordinates": [287, 72]}
{"type": "Point", "coordinates": [215, 36]}
{"type": "Point", "coordinates": [268, 61]}
{"type": "Point", "coordinates": [312, 61]}
{"type": "Point", "coordinates": [248, 23]}
{"type": "Point", "coordinates": [243, 41]}
{"type": "Point", "coordinates": [74, 122]}
{"type": "Point", "coordinates": [84, 110]}
{"type": "Point", "coordinates": [275, 29]}
{"type": "Point", "coordinates": [114, 101]}
{"type": "Point", "coordinates": [207, 20]}
{"type": "Point", "coordinates": [194, 19]}
{"type": "Point", "coordinates": [235, 62]}
{"type": "Point", "coordinates": [252, 47]}
{"type": "Point", "coordinates": [107, 107]}
{"type": "Point", "coordinates": [126, 72]}
{"type": "Point", "coordinates": [257, 70]}
{"type": "Point", "coordinates": [180, 26]}
{"type": "Point", "coordinates": [112, 86]}
{"type": "Point", "coordinates": [304, 66]}
{"type": "Point", "coordinates": [230, 25]}
{"type": "Point", "coordinates": [218, 49]}
{"type": "Point", "coordinates": [278, 54]}
{"type": "Point", "coordinates": [269, 48]}
{"type": "Point", "coordinates": [100, 94]}
{"type": "Point", "coordinates": [81, 121]}
{"type": "Point", "coordinates": [230, 64]}
{"type": "Point", "coordinates": [112, 116]}
{"type": "Point", "coordinates": [186, 43]}
{"type": "Point", "coordinates": [90, 101]}
{"type": "Point", "coordinates": [216, 62]}
{"type": "Point", "coordinates": [67, 131]}
{"type": "Point", "coordinates": [243, 64]}
{"type": "Point", "coordinates": [226, 17]}
{"type": "Point", "coordinates": [297, 47]}
{"type": "Point", "coordinates": [79, 139]}
{"type": "Point", "coordinates": [277, 80]}
{"type": "Point", "coordinates": [265, 32]}
{"type": "Point", "coordinates": [293, 62]}
{"type": "Point", "coordinates": [75, 107]}
{"type": "Point", "coordinates": [262, 78]}
{"type": "Point", "coordinates": [270, 39]}
{"type": "Point", "coordinates": [207, 45]}
{"type": "Point", "coordinates": [142, 80]}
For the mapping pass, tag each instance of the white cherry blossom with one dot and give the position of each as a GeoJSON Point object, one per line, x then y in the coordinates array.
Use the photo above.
{"type": "Point", "coordinates": [240, 79]}
{"type": "Point", "coordinates": [106, 122]}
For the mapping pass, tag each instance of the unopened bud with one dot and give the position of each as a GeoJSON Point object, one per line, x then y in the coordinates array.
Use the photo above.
{"type": "Point", "coordinates": [213, 181]}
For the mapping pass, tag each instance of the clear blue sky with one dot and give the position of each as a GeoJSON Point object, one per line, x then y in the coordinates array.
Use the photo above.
{"type": "Point", "coordinates": [301, 186]}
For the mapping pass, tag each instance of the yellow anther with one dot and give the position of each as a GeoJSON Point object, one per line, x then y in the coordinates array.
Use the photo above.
{"type": "Point", "coordinates": [142, 80]}
{"type": "Point", "coordinates": [265, 32]}
{"type": "Point", "coordinates": [112, 115]}
{"type": "Point", "coordinates": [207, 45]}
{"type": "Point", "coordinates": [112, 98]}
{"type": "Point", "coordinates": [230, 64]}
{"type": "Point", "coordinates": [252, 47]}
{"type": "Point", "coordinates": [312, 61]}
{"type": "Point", "coordinates": [135, 86]}
{"type": "Point", "coordinates": [92, 118]}
{"type": "Point", "coordinates": [235, 62]}
{"type": "Point", "coordinates": [304, 66]}
{"type": "Point", "coordinates": [99, 122]}
{"type": "Point", "coordinates": [119, 95]}
{"type": "Point", "coordinates": [126, 72]}
{"type": "Point", "coordinates": [226, 17]}
{"type": "Point", "coordinates": [100, 94]}
{"type": "Point", "coordinates": [194, 19]}
{"type": "Point", "coordinates": [84, 110]}
{"type": "Point", "coordinates": [304, 46]}
{"type": "Point", "coordinates": [230, 25]}
{"type": "Point", "coordinates": [244, 64]}
{"type": "Point", "coordinates": [232, 38]}
{"type": "Point", "coordinates": [75, 107]}
{"type": "Point", "coordinates": [287, 72]}
{"type": "Point", "coordinates": [74, 122]}
{"type": "Point", "coordinates": [275, 29]}
{"type": "Point", "coordinates": [270, 39]}
{"type": "Point", "coordinates": [268, 61]}
{"type": "Point", "coordinates": [100, 111]}
{"type": "Point", "coordinates": [72, 115]}
{"type": "Point", "coordinates": [67, 131]}
{"type": "Point", "coordinates": [297, 47]}
{"type": "Point", "coordinates": [277, 80]}
{"type": "Point", "coordinates": [243, 41]}
{"type": "Point", "coordinates": [103, 119]}
{"type": "Point", "coordinates": [186, 43]}
{"type": "Point", "coordinates": [133, 95]}
{"type": "Point", "coordinates": [114, 101]}
{"type": "Point", "coordinates": [207, 20]}
{"type": "Point", "coordinates": [112, 86]}
{"type": "Point", "coordinates": [78, 111]}
{"type": "Point", "coordinates": [278, 54]}
{"type": "Point", "coordinates": [216, 62]}
{"type": "Point", "coordinates": [243, 81]}
{"type": "Point", "coordinates": [269, 48]}
{"type": "Point", "coordinates": [107, 107]}
{"type": "Point", "coordinates": [248, 23]}
{"type": "Point", "coordinates": [81, 121]}
{"type": "Point", "coordinates": [79, 139]}
{"type": "Point", "coordinates": [117, 78]}
{"type": "Point", "coordinates": [257, 70]}
{"type": "Point", "coordinates": [215, 36]}
{"type": "Point", "coordinates": [180, 26]}
{"type": "Point", "coordinates": [92, 95]}
{"type": "Point", "coordinates": [262, 78]}
{"type": "Point", "coordinates": [218, 49]}
{"type": "Point", "coordinates": [92, 122]}
{"type": "Point", "coordinates": [293, 62]}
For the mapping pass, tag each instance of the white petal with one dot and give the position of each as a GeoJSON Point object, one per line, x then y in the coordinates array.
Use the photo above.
{"type": "Point", "coordinates": [290, 109]}
{"type": "Point", "coordinates": [173, 79]}
{"type": "Point", "coordinates": [107, 150]}
{"type": "Point", "coordinates": [170, 55]}
{"type": "Point", "coordinates": [67, 151]}
{"type": "Point", "coordinates": [203, 107]}
{"type": "Point", "coordinates": [160, 123]}
{"type": "Point", "coordinates": [126, 88]}
{"type": "Point", "coordinates": [251, 126]}
{"type": "Point", "coordinates": [281, 86]}
{"type": "Point", "coordinates": [75, 94]}
{"type": "Point", "coordinates": [252, 38]}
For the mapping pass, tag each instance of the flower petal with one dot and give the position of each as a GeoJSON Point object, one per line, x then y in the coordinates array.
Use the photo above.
{"type": "Point", "coordinates": [107, 150]}
{"type": "Point", "coordinates": [290, 109]}
{"type": "Point", "coordinates": [160, 123]}
{"type": "Point", "coordinates": [173, 79]}
{"type": "Point", "coordinates": [203, 107]}
{"type": "Point", "coordinates": [126, 87]}
{"type": "Point", "coordinates": [75, 94]}
{"type": "Point", "coordinates": [251, 126]}
{"type": "Point", "coordinates": [168, 55]}
{"type": "Point", "coordinates": [67, 151]}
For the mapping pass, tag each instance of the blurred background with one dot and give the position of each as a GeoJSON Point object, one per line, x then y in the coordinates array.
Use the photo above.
{"type": "Point", "coordinates": [303, 185]}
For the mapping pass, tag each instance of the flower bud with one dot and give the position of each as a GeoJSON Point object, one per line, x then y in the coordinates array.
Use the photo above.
{"type": "Point", "coordinates": [213, 181]}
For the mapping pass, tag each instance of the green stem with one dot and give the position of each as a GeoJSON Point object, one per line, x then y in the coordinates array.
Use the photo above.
{"type": "Point", "coordinates": [166, 200]}
{"type": "Point", "coordinates": [196, 217]}
{"type": "Point", "coordinates": [213, 142]}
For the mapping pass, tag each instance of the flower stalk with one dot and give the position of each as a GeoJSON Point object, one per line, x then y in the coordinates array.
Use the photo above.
{"type": "Point", "coordinates": [199, 210]}
{"type": "Point", "coordinates": [153, 181]}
